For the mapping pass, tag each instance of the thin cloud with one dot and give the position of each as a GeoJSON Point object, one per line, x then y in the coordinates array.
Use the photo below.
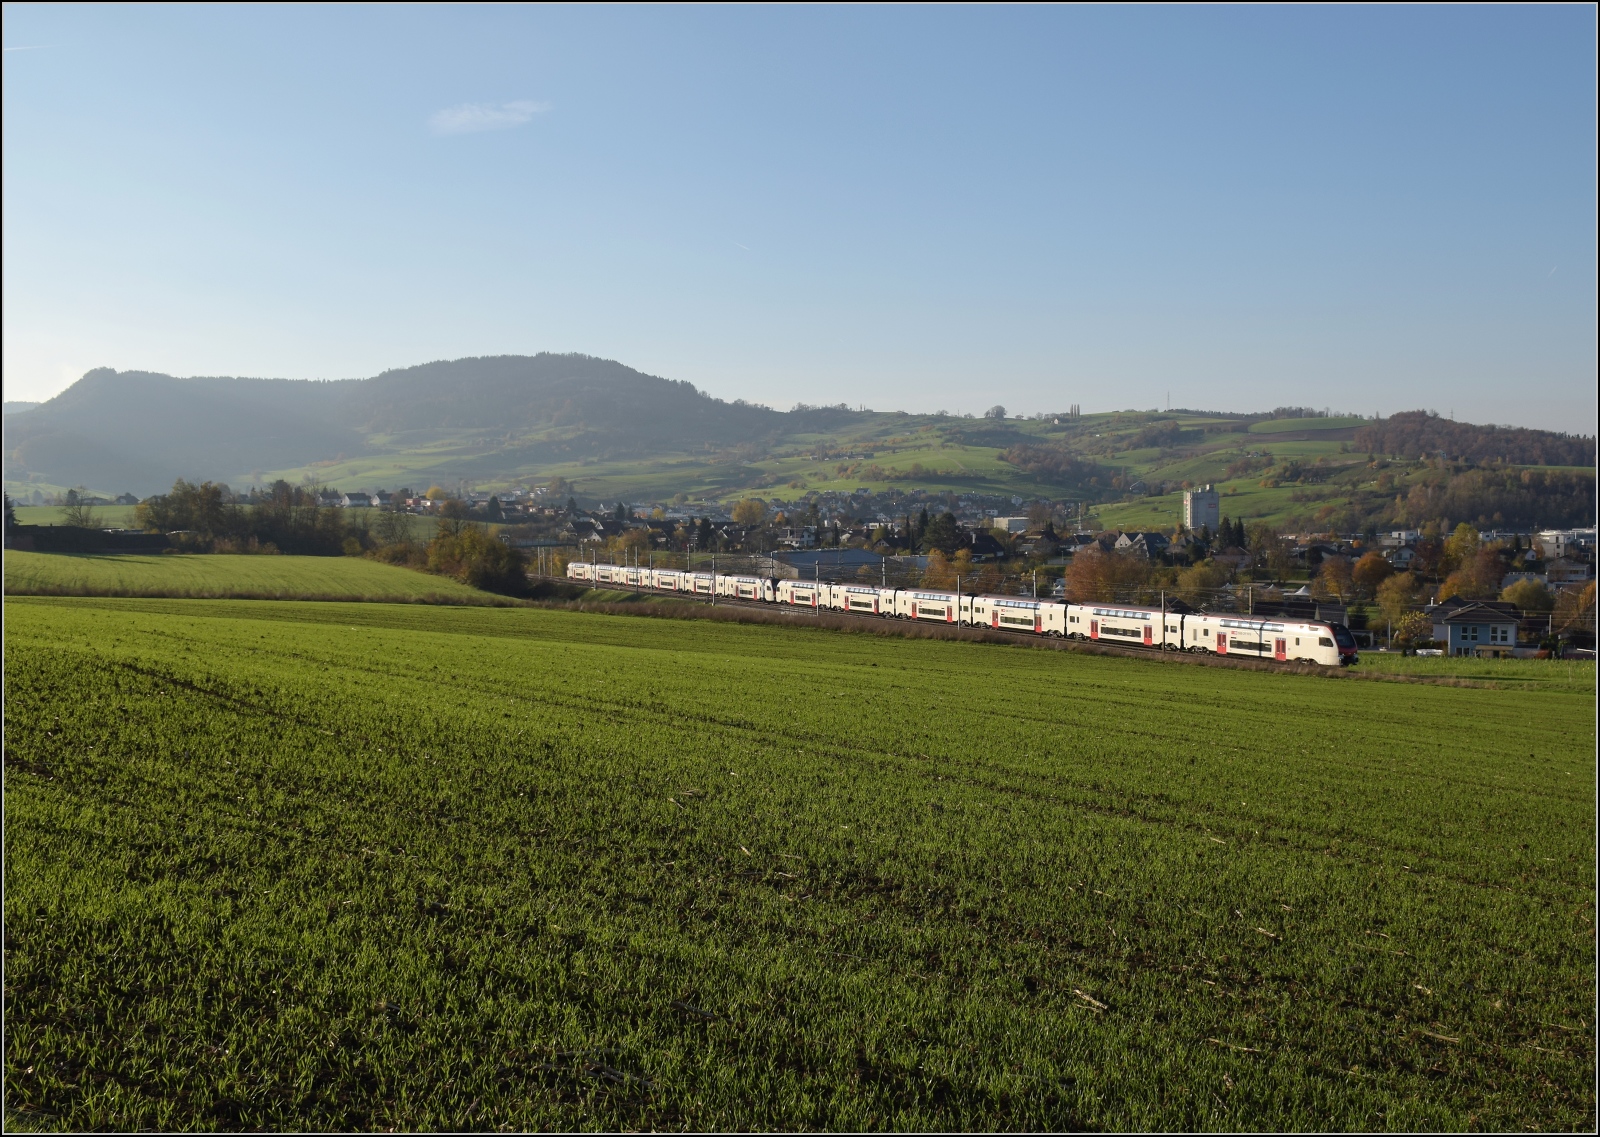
{"type": "Point", "coordinates": [471, 118]}
{"type": "Point", "coordinates": [30, 47]}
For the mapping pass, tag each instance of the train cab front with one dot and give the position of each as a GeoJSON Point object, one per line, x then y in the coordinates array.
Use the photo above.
{"type": "Point", "coordinates": [1347, 645]}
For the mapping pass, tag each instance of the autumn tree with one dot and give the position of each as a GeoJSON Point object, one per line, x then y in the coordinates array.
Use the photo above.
{"type": "Point", "coordinates": [1370, 572]}
{"type": "Point", "coordinates": [751, 511]}
{"type": "Point", "coordinates": [1461, 547]}
{"type": "Point", "coordinates": [1478, 578]}
{"type": "Point", "coordinates": [1333, 580]}
{"type": "Point", "coordinates": [1097, 575]}
{"type": "Point", "coordinates": [468, 553]}
{"type": "Point", "coordinates": [1529, 596]}
{"type": "Point", "coordinates": [1575, 609]}
{"type": "Point", "coordinates": [1396, 595]}
{"type": "Point", "coordinates": [1198, 584]}
{"type": "Point", "coordinates": [1413, 630]}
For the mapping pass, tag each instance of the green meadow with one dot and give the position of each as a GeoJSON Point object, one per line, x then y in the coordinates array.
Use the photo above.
{"type": "Point", "coordinates": [218, 577]}
{"type": "Point", "coordinates": [339, 866]}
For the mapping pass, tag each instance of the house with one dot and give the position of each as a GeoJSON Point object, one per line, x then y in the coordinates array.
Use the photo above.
{"type": "Point", "coordinates": [798, 536]}
{"type": "Point", "coordinates": [1009, 524]}
{"type": "Point", "coordinates": [1476, 629]}
{"type": "Point", "coordinates": [1234, 559]}
{"type": "Point", "coordinates": [1401, 557]}
{"type": "Point", "coordinates": [1562, 542]}
{"type": "Point", "coordinates": [356, 500]}
{"type": "Point", "coordinates": [1567, 570]}
{"type": "Point", "coordinates": [1142, 544]}
{"type": "Point", "coordinates": [128, 499]}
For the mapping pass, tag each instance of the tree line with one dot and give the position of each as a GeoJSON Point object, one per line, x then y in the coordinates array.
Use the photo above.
{"type": "Point", "coordinates": [206, 517]}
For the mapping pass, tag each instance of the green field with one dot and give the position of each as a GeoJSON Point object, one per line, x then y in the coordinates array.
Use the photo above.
{"type": "Point", "coordinates": [327, 866]}
{"type": "Point", "coordinates": [108, 516]}
{"type": "Point", "coordinates": [1285, 425]}
{"type": "Point", "coordinates": [251, 577]}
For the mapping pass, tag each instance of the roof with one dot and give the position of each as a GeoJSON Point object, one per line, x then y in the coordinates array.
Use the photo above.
{"type": "Point", "coordinates": [1456, 603]}
{"type": "Point", "coordinates": [1480, 614]}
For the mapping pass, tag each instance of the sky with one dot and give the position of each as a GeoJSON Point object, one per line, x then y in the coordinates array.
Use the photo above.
{"type": "Point", "coordinates": [1366, 208]}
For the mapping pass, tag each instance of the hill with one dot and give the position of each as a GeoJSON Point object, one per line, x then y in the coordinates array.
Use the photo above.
{"type": "Point", "coordinates": [139, 430]}
{"type": "Point", "coordinates": [612, 433]}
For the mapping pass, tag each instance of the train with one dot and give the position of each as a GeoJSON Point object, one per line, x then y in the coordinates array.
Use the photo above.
{"type": "Point", "coordinates": [1282, 639]}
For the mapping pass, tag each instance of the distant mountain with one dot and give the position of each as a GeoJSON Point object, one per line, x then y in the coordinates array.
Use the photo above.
{"type": "Point", "coordinates": [139, 430]}
{"type": "Point", "coordinates": [611, 430]}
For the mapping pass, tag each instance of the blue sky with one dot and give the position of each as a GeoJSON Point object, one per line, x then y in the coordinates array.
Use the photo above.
{"type": "Point", "coordinates": [1368, 208]}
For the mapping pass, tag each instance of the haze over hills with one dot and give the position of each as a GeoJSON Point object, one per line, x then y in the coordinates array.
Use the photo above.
{"type": "Point", "coordinates": [613, 432]}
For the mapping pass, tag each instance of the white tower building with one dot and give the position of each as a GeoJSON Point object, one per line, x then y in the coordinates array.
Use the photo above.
{"type": "Point", "coordinates": [1202, 507]}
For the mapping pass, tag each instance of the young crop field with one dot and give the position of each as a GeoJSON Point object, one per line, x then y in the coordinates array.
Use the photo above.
{"type": "Point", "coordinates": [342, 866]}
{"type": "Point", "coordinates": [208, 576]}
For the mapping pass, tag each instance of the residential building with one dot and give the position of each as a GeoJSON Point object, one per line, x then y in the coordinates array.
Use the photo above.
{"type": "Point", "coordinates": [1142, 544]}
{"type": "Point", "coordinates": [1476, 629]}
{"type": "Point", "coordinates": [1202, 508]}
{"type": "Point", "coordinates": [359, 500]}
{"type": "Point", "coordinates": [1563, 542]}
{"type": "Point", "coordinates": [1009, 524]}
{"type": "Point", "coordinates": [1567, 570]}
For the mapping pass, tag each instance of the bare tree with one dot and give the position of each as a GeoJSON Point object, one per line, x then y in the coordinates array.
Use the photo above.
{"type": "Point", "coordinates": [77, 511]}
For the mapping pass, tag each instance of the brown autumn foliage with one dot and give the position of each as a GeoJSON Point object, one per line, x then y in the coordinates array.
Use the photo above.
{"type": "Point", "coordinates": [1096, 575]}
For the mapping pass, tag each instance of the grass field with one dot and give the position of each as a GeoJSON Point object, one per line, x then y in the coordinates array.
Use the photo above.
{"type": "Point", "coordinates": [108, 516]}
{"type": "Point", "coordinates": [251, 577]}
{"type": "Point", "coordinates": [326, 866]}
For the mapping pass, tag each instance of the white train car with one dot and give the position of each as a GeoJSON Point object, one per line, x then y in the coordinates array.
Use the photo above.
{"type": "Point", "coordinates": [746, 587]}
{"type": "Point", "coordinates": [1255, 637]}
{"type": "Point", "coordinates": [919, 604]}
{"type": "Point", "coordinates": [803, 593]}
{"type": "Point", "coordinates": [698, 583]}
{"type": "Point", "coordinates": [1123, 624]}
{"type": "Point", "coordinates": [862, 599]}
{"type": "Point", "coordinates": [1016, 614]}
{"type": "Point", "coordinates": [580, 570]}
{"type": "Point", "coordinates": [667, 580]}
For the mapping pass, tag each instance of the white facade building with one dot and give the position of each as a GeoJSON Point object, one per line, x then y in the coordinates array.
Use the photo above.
{"type": "Point", "coordinates": [1202, 507]}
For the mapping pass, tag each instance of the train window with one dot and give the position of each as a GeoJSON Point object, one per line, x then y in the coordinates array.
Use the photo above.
{"type": "Point", "coordinates": [1208, 631]}
{"type": "Point", "coordinates": [1297, 641]}
{"type": "Point", "coordinates": [1325, 641]}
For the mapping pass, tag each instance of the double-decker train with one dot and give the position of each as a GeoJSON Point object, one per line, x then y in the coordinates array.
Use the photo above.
{"type": "Point", "coordinates": [1131, 625]}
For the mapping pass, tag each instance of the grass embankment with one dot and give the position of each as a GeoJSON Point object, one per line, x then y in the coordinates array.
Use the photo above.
{"type": "Point", "coordinates": [349, 867]}
{"type": "Point", "coordinates": [231, 577]}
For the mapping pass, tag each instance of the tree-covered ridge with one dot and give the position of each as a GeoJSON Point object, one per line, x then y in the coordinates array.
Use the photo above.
{"type": "Point", "coordinates": [1423, 434]}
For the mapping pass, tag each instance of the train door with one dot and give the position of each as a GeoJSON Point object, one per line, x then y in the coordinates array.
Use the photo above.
{"type": "Point", "coordinates": [1094, 629]}
{"type": "Point", "coordinates": [1222, 643]}
{"type": "Point", "coordinates": [1147, 640]}
{"type": "Point", "coordinates": [1280, 650]}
